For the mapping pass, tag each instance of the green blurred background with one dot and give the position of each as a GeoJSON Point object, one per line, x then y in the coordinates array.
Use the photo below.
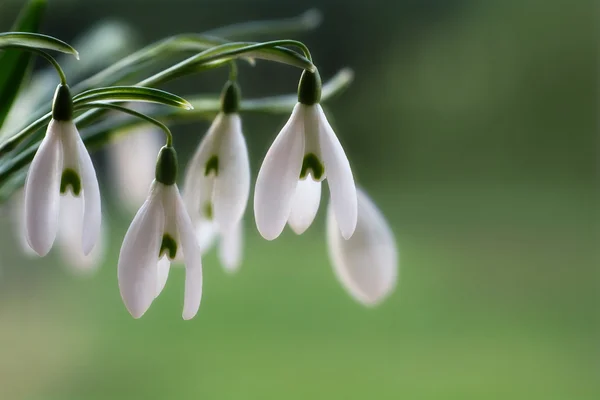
{"type": "Point", "coordinates": [472, 124]}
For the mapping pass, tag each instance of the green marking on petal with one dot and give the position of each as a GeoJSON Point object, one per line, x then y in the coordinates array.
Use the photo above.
{"type": "Point", "coordinates": [70, 178]}
{"type": "Point", "coordinates": [212, 165]}
{"type": "Point", "coordinates": [168, 246]}
{"type": "Point", "coordinates": [208, 210]}
{"type": "Point", "coordinates": [312, 163]}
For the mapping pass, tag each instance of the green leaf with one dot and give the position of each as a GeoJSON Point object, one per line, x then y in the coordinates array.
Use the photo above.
{"type": "Point", "coordinates": [131, 93]}
{"type": "Point", "coordinates": [35, 41]}
{"type": "Point", "coordinates": [14, 65]}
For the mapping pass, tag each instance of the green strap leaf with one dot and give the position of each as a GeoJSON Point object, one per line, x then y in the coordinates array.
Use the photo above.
{"type": "Point", "coordinates": [35, 41]}
{"type": "Point", "coordinates": [15, 65]}
{"type": "Point", "coordinates": [129, 94]}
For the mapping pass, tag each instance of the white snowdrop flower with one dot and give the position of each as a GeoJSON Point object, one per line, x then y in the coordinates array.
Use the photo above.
{"type": "Point", "coordinates": [160, 232]}
{"type": "Point", "coordinates": [69, 233]}
{"type": "Point", "coordinates": [217, 181]}
{"type": "Point", "coordinates": [132, 157]}
{"type": "Point", "coordinates": [61, 163]}
{"type": "Point", "coordinates": [366, 264]}
{"type": "Point", "coordinates": [305, 152]}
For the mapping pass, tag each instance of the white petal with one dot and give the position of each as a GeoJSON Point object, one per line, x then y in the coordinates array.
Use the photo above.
{"type": "Point", "coordinates": [193, 261]}
{"type": "Point", "coordinates": [137, 269]}
{"type": "Point", "coordinates": [230, 248]}
{"type": "Point", "coordinates": [42, 191]}
{"type": "Point", "coordinates": [339, 177]}
{"type": "Point", "coordinates": [305, 204]}
{"type": "Point", "coordinates": [69, 237]}
{"type": "Point", "coordinates": [92, 213]}
{"type": "Point", "coordinates": [197, 187]}
{"type": "Point", "coordinates": [164, 265]}
{"type": "Point", "coordinates": [367, 263]}
{"type": "Point", "coordinates": [206, 233]}
{"type": "Point", "coordinates": [232, 185]}
{"type": "Point", "coordinates": [17, 201]}
{"type": "Point", "coordinates": [132, 161]}
{"type": "Point", "coordinates": [278, 177]}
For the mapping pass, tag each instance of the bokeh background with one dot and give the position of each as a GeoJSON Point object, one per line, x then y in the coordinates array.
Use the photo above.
{"type": "Point", "coordinates": [473, 125]}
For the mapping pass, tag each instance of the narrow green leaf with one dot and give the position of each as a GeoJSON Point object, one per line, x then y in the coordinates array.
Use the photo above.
{"type": "Point", "coordinates": [35, 41]}
{"type": "Point", "coordinates": [131, 93]}
{"type": "Point", "coordinates": [15, 65]}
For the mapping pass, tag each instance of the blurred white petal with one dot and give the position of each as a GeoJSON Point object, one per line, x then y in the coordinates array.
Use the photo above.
{"type": "Point", "coordinates": [305, 204]}
{"type": "Point", "coordinates": [230, 248]}
{"type": "Point", "coordinates": [367, 263]}
{"type": "Point", "coordinates": [232, 184]}
{"type": "Point", "coordinates": [339, 177]}
{"type": "Point", "coordinates": [206, 234]}
{"type": "Point", "coordinates": [278, 177]}
{"type": "Point", "coordinates": [193, 261]}
{"type": "Point", "coordinates": [69, 237]}
{"type": "Point", "coordinates": [137, 268]}
{"type": "Point", "coordinates": [42, 191]}
{"type": "Point", "coordinates": [132, 162]}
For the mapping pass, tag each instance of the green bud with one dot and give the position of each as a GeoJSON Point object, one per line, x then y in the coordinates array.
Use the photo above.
{"type": "Point", "coordinates": [230, 97]}
{"type": "Point", "coordinates": [62, 105]}
{"type": "Point", "coordinates": [166, 166]}
{"type": "Point", "coordinates": [309, 88]}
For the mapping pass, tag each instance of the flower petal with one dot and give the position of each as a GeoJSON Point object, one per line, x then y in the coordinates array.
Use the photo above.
{"type": "Point", "coordinates": [206, 234]}
{"type": "Point", "coordinates": [367, 263]}
{"type": "Point", "coordinates": [230, 248]}
{"type": "Point", "coordinates": [164, 265]}
{"type": "Point", "coordinates": [232, 184]}
{"type": "Point", "coordinates": [137, 269]}
{"type": "Point", "coordinates": [305, 205]}
{"type": "Point", "coordinates": [132, 161]}
{"type": "Point", "coordinates": [42, 191]}
{"type": "Point", "coordinates": [92, 213]}
{"type": "Point", "coordinates": [197, 186]}
{"type": "Point", "coordinates": [339, 177]}
{"type": "Point", "coordinates": [69, 237]}
{"type": "Point", "coordinates": [278, 177]}
{"type": "Point", "coordinates": [193, 261]}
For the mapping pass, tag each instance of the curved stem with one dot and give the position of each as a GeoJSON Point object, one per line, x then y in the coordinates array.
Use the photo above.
{"type": "Point", "coordinates": [233, 71]}
{"type": "Point", "coordinates": [48, 57]}
{"type": "Point", "coordinates": [129, 111]}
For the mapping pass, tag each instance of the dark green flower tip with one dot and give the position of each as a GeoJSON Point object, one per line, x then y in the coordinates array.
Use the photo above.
{"type": "Point", "coordinates": [309, 88]}
{"type": "Point", "coordinates": [166, 166]}
{"type": "Point", "coordinates": [168, 246]}
{"type": "Point", "coordinates": [70, 179]}
{"type": "Point", "coordinates": [311, 163]}
{"type": "Point", "coordinates": [62, 105]}
{"type": "Point", "coordinates": [212, 165]}
{"type": "Point", "coordinates": [230, 97]}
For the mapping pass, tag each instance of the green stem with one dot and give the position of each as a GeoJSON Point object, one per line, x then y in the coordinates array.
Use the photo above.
{"type": "Point", "coordinates": [233, 71]}
{"type": "Point", "coordinates": [51, 60]}
{"type": "Point", "coordinates": [129, 111]}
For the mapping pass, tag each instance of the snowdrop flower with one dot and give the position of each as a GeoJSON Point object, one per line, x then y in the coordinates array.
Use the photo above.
{"type": "Point", "coordinates": [160, 232]}
{"type": "Point", "coordinates": [217, 181]}
{"type": "Point", "coordinates": [61, 163]}
{"type": "Point", "coordinates": [305, 152]}
{"type": "Point", "coordinates": [366, 264]}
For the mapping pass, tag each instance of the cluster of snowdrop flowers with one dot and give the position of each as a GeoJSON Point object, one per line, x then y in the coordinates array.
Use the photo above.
{"type": "Point", "coordinates": [170, 227]}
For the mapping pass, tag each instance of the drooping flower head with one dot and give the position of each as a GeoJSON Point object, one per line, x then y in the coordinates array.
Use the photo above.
{"type": "Point", "coordinates": [160, 232]}
{"type": "Point", "coordinates": [366, 264]}
{"type": "Point", "coordinates": [61, 164]}
{"type": "Point", "coordinates": [217, 181]}
{"type": "Point", "coordinates": [306, 151]}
